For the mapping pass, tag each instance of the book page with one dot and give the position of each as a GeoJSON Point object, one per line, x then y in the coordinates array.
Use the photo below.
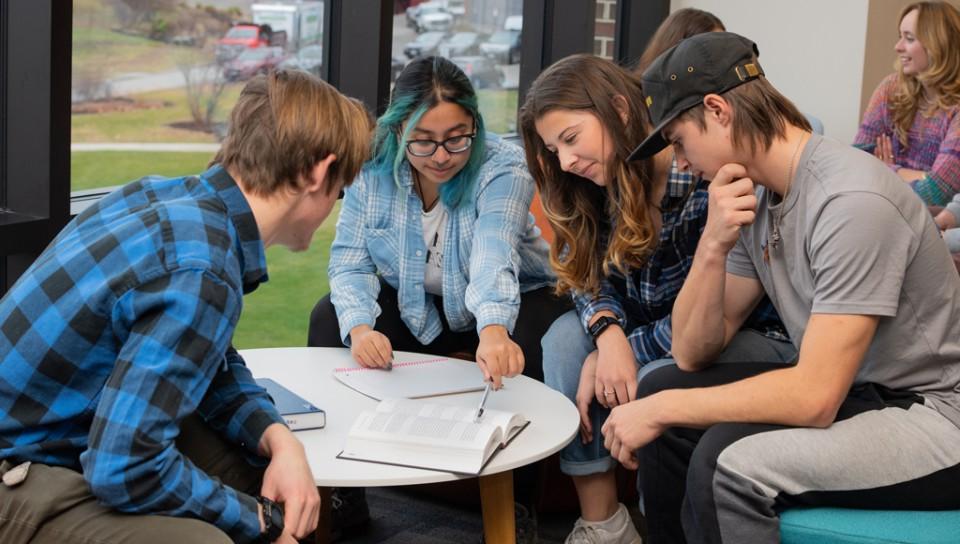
{"type": "Point", "coordinates": [466, 461]}
{"type": "Point", "coordinates": [426, 431]}
{"type": "Point", "coordinates": [509, 423]}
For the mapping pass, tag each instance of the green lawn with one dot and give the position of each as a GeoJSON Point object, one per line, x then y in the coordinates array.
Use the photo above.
{"type": "Point", "coordinates": [499, 108]}
{"type": "Point", "coordinates": [152, 123]}
{"type": "Point", "coordinates": [116, 53]}
{"type": "Point", "coordinates": [95, 169]}
{"type": "Point", "coordinates": [277, 313]}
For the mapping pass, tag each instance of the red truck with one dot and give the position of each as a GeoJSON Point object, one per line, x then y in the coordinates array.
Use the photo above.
{"type": "Point", "coordinates": [243, 36]}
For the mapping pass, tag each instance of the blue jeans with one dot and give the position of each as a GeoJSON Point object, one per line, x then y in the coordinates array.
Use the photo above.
{"type": "Point", "coordinates": [566, 345]}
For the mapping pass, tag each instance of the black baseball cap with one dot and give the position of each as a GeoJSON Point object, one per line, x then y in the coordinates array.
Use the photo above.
{"type": "Point", "coordinates": [712, 62]}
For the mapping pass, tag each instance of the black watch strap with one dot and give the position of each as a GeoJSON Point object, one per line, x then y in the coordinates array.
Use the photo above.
{"type": "Point", "coordinates": [601, 325]}
{"type": "Point", "coordinates": [272, 519]}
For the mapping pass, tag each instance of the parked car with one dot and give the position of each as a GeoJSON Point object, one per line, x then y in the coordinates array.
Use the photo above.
{"type": "Point", "coordinates": [459, 45]}
{"type": "Point", "coordinates": [452, 7]}
{"type": "Point", "coordinates": [433, 16]}
{"type": "Point", "coordinates": [503, 47]}
{"type": "Point", "coordinates": [411, 15]}
{"type": "Point", "coordinates": [252, 62]}
{"type": "Point", "coordinates": [309, 59]}
{"type": "Point", "coordinates": [481, 71]}
{"type": "Point", "coordinates": [424, 45]}
{"type": "Point", "coordinates": [456, 7]}
{"type": "Point", "coordinates": [242, 36]}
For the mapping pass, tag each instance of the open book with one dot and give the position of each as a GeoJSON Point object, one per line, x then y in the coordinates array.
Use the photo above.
{"type": "Point", "coordinates": [429, 435]}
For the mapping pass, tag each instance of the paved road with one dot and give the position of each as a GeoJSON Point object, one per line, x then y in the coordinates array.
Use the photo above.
{"type": "Point", "coordinates": [132, 83]}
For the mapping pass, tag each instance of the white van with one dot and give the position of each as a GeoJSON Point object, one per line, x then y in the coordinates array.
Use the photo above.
{"type": "Point", "coordinates": [513, 22]}
{"type": "Point", "coordinates": [456, 8]}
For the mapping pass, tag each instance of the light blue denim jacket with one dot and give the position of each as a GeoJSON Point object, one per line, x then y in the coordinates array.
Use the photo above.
{"type": "Point", "coordinates": [492, 250]}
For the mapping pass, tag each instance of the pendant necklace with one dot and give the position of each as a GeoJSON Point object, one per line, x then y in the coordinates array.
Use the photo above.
{"type": "Point", "coordinates": [775, 237]}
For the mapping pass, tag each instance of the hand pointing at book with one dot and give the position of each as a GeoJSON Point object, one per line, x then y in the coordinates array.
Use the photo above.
{"type": "Point", "coordinates": [498, 355]}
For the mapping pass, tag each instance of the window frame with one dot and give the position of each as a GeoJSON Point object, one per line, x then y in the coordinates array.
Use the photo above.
{"type": "Point", "coordinates": [637, 21]}
{"type": "Point", "coordinates": [35, 170]}
{"type": "Point", "coordinates": [4, 18]}
{"type": "Point", "coordinates": [551, 33]}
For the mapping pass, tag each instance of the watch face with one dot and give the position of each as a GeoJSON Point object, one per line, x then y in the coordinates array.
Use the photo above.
{"type": "Point", "coordinates": [601, 325]}
{"type": "Point", "coordinates": [272, 518]}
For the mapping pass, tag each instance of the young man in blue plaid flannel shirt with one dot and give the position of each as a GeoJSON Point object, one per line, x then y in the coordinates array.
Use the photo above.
{"type": "Point", "coordinates": [117, 379]}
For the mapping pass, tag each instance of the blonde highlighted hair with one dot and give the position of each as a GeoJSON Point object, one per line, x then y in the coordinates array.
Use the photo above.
{"type": "Point", "coordinates": [582, 252]}
{"type": "Point", "coordinates": [284, 123]}
{"type": "Point", "coordinates": [938, 29]}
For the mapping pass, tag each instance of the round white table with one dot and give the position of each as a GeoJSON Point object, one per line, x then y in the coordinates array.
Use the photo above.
{"type": "Point", "coordinates": [309, 373]}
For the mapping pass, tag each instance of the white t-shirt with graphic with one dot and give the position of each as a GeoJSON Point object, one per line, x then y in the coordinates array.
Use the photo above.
{"type": "Point", "coordinates": [434, 227]}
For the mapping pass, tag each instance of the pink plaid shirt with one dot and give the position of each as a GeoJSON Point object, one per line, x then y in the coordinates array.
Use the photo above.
{"type": "Point", "coordinates": [933, 144]}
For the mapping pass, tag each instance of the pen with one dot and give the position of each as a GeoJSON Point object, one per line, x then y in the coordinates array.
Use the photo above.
{"type": "Point", "coordinates": [483, 400]}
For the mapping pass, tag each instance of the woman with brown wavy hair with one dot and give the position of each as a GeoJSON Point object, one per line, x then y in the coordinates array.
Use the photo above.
{"type": "Point", "coordinates": [912, 121]}
{"type": "Point", "coordinates": [625, 233]}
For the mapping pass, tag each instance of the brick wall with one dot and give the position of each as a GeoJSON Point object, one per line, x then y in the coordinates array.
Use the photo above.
{"type": "Point", "coordinates": [606, 21]}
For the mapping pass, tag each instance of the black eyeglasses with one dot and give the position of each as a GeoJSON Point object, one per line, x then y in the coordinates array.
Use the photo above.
{"type": "Point", "coordinates": [454, 144]}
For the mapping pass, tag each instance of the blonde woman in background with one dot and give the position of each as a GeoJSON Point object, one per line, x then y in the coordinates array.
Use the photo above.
{"type": "Point", "coordinates": [911, 123]}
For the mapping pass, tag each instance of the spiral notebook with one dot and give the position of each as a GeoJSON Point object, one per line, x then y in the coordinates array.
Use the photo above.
{"type": "Point", "coordinates": [413, 379]}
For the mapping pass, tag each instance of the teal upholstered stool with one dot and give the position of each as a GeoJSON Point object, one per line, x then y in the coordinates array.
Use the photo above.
{"type": "Point", "coordinates": [843, 526]}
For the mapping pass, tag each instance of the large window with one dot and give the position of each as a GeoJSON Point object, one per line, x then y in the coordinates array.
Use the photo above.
{"type": "Point", "coordinates": [481, 36]}
{"type": "Point", "coordinates": [153, 80]}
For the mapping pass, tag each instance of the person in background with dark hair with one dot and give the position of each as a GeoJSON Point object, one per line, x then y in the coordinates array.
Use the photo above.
{"type": "Point", "coordinates": [125, 414]}
{"type": "Point", "coordinates": [679, 25]}
{"type": "Point", "coordinates": [912, 122]}
{"type": "Point", "coordinates": [869, 416]}
{"type": "Point", "coordinates": [625, 235]}
{"type": "Point", "coordinates": [436, 251]}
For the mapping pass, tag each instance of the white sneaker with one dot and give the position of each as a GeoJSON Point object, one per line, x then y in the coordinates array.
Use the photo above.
{"type": "Point", "coordinates": [618, 529]}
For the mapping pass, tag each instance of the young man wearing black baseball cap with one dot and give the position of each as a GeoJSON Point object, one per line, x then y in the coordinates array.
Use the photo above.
{"type": "Point", "coordinates": [868, 417]}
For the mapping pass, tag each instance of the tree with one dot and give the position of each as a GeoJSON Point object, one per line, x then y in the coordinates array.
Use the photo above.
{"type": "Point", "coordinates": [203, 84]}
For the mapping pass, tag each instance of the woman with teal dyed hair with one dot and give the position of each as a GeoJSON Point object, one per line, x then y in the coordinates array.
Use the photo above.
{"type": "Point", "coordinates": [436, 251]}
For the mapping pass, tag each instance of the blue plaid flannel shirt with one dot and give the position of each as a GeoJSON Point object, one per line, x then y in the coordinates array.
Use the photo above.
{"type": "Point", "coordinates": [121, 329]}
{"type": "Point", "coordinates": [492, 250]}
{"type": "Point", "coordinates": [643, 300]}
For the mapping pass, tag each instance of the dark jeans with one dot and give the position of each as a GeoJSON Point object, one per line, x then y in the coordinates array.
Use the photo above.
{"type": "Point", "coordinates": [538, 310]}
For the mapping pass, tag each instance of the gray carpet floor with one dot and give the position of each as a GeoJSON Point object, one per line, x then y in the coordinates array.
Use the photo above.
{"type": "Point", "coordinates": [405, 516]}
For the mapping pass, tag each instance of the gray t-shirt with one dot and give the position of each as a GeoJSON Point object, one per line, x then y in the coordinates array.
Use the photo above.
{"type": "Point", "coordinates": [857, 240]}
